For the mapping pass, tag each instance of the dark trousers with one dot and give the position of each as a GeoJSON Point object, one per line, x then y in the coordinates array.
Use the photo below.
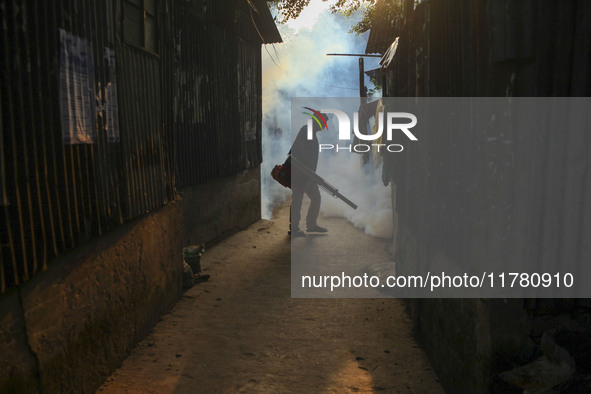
{"type": "Point", "coordinates": [297, 196]}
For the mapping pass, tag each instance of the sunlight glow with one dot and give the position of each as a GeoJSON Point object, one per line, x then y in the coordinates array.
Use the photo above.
{"type": "Point", "coordinates": [310, 14]}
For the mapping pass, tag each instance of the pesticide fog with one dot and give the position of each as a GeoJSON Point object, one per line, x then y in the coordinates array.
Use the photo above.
{"type": "Point", "coordinates": [299, 67]}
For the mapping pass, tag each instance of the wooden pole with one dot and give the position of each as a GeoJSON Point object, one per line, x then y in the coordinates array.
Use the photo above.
{"type": "Point", "coordinates": [362, 89]}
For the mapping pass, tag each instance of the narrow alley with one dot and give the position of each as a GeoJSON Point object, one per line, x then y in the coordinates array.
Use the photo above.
{"type": "Point", "coordinates": [242, 332]}
{"type": "Point", "coordinates": [456, 136]}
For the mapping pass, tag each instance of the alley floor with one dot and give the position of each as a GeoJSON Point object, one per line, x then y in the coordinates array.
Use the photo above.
{"type": "Point", "coordinates": [242, 332]}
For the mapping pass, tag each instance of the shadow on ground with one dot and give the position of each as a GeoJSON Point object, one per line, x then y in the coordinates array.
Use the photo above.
{"type": "Point", "coordinates": [242, 332]}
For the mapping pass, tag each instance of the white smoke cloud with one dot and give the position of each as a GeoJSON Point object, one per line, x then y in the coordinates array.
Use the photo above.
{"type": "Point", "coordinates": [299, 67]}
{"type": "Point", "coordinates": [361, 184]}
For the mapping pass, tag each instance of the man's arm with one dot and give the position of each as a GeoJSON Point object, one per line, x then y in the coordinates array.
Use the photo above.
{"type": "Point", "coordinates": [312, 176]}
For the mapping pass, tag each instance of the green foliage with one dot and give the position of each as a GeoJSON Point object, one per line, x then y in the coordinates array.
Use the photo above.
{"type": "Point", "coordinates": [350, 7]}
{"type": "Point", "coordinates": [372, 11]}
{"type": "Point", "coordinates": [288, 9]}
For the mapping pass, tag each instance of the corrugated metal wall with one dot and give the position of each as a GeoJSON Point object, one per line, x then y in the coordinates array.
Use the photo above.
{"type": "Point", "coordinates": [493, 48]}
{"type": "Point", "coordinates": [144, 145]}
{"type": "Point", "coordinates": [57, 194]}
{"type": "Point", "coordinates": [442, 51]}
{"type": "Point", "coordinates": [217, 89]}
{"type": "Point", "coordinates": [189, 110]}
{"type": "Point", "coordinates": [525, 195]}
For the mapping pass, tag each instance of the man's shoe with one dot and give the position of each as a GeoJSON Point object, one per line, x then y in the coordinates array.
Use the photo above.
{"type": "Point", "coordinates": [316, 229]}
{"type": "Point", "coordinates": [296, 232]}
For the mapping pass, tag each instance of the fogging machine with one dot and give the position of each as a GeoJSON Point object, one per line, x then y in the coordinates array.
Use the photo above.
{"type": "Point", "coordinates": [282, 174]}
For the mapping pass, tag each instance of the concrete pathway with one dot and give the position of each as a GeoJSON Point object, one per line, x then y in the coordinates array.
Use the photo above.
{"type": "Point", "coordinates": [242, 332]}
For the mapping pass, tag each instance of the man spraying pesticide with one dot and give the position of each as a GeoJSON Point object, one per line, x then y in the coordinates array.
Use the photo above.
{"type": "Point", "coordinates": [299, 173]}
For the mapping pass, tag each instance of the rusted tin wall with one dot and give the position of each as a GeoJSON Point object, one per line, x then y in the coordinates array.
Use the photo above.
{"type": "Point", "coordinates": [188, 111]}
{"type": "Point", "coordinates": [496, 48]}
{"type": "Point", "coordinates": [217, 106]}
{"type": "Point", "coordinates": [484, 196]}
{"type": "Point", "coordinates": [492, 48]}
{"type": "Point", "coordinates": [442, 51]}
{"type": "Point", "coordinates": [58, 194]}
